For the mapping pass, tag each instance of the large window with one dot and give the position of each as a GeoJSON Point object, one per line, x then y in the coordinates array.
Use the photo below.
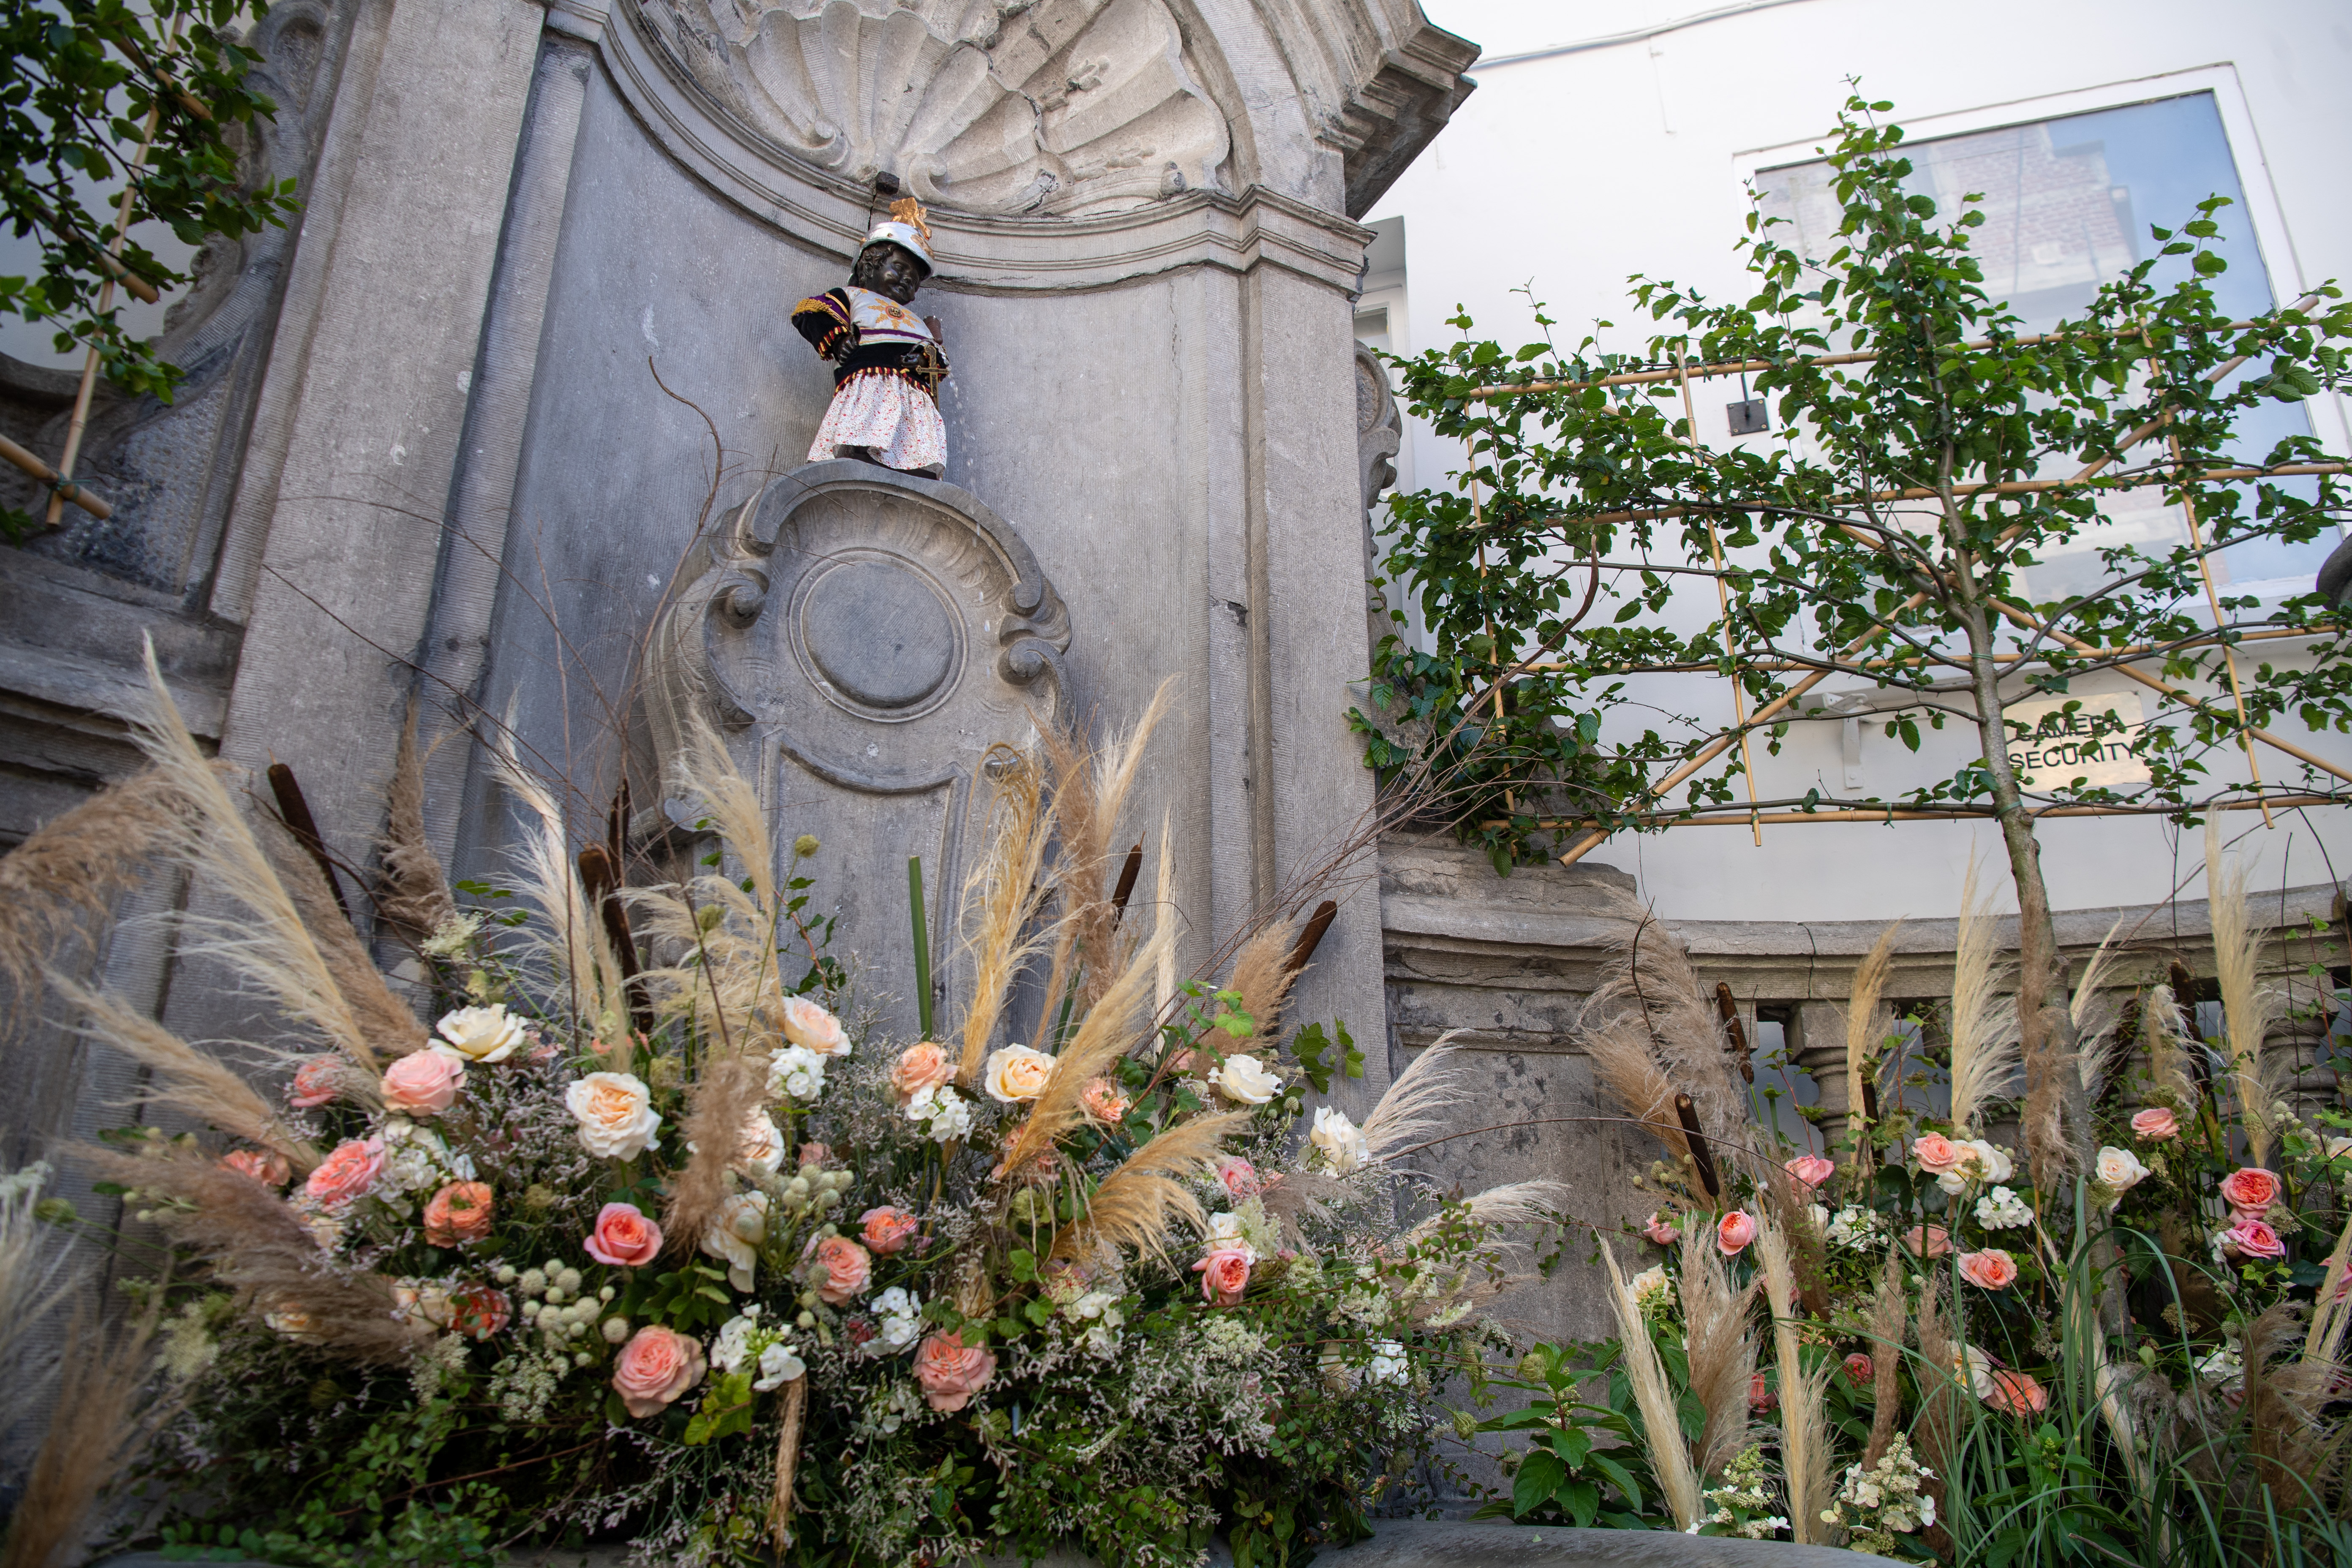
{"type": "Point", "coordinates": [2068, 203]}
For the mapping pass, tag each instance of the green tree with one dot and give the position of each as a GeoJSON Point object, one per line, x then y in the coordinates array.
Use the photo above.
{"type": "Point", "coordinates": [1928, 457]}
{"type": "Point", "coordinates": [80, 81]}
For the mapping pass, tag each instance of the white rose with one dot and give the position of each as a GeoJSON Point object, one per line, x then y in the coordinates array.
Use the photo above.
{"type": "Point", "coordinates": [1245, 1080]}
{"type": "Point", "coordinates": [1017, 1073]}
{"type": "Point", "coordinates": [806, 1023]}
{"type": "Point", "coordinates": [1651, 1281]}
{"type": "Point", "coordinates": [2120, 1169]}
{"type": "Point", "coordinates": [615, 1113]}
{"type": "Point", "coordinates": [1225, 1231]}
{"type": "Point", "coordinates": [484, 1034]}
{"type": "Point", "coordinates": [761, 1150]}
{"type": "Point", "coordinates": [1339, 1139]}
{"type": "Point", "coordinates": [734, 1236]}
{"type": "Point", "coordinates": [1992, 1163]}
{"type": "Point", "coordinates": [796, 1072]}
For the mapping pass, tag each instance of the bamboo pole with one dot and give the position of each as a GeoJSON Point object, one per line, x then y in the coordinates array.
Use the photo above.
{"type": "Point", "coordinates": [113, 252]}
{"type": "Point", "coordinates": [60, 486]}
{"type": "Point", "coordinates": [1898, 814]}
{"type": "Point", "coordinates": [1786, 666]}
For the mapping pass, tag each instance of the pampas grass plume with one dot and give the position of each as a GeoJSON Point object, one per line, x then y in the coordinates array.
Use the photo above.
{"type": "Point", "coordinates": [1132, 1209]}
{"type": "Point", "coordinates": [2248, 1007]}
{"type": "Point", "coordinates": [1408, 1112]}
{"type": "Point", "coordinates": [1804, 1419]}
{"type": "Point", "coordinates": [1865, 1028]}
{"type": "Point", "coordinates": [1721, 1349]}
{"type": "Point", "coordinates": [1661, 1431]}
{"type": "Point", "coordinates": [1985, 1044]}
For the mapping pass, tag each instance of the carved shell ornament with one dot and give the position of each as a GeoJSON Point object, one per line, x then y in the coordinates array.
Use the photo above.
{"type": "Point", "coordinates": [994, 106]}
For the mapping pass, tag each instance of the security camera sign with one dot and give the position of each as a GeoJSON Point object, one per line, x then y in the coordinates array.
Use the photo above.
{"type": "Point", "coordinates": [2096, 743]}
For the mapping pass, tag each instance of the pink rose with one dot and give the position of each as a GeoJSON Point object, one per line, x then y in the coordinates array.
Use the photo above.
{"type": "Point", "coordinates": [424, 1083]}
{"type": "Point", "coordinates": [1661, 1231]}
{"type": "Point", "coordinates": [1104, 1101]}
{"type": "Point", "coordinates": [1734, 1231]}
{"type": "Point", "coordinates": [480, 1311]}
{"type": "Point", "coordinates": [266, 1167]}
{"type": "Point", "coordinates": [317, 1082]}
{"type": "Point", "coordinates": [919, 1068]}
{"type": "Point", "coordinates": [2017, 1393]}
{"type": "Point", "coordinates": [887, 1229]}
{"type": "Point", "coordinates": [816, 1154]}
{"type": "Point", "coordinates": [949, 1373]}
{"type": "Point", "coordinates": [2250, 1191]}
{"type": "Point", "coordinates": [844, 1267]}
{"type": "Point", "coordinates": [2250, 1238]}
{"type": "Point", "coordinates": [1811, 1170]}
{"type": "Point", "coordinates": [1760, 1397]}
{"type": "Point", "coordinates": [1937, 1154]}
{"type": "Point", "coordinates": [348, 1172]}
{"type": "Point", "coordinates": [654, 1367]}
{"type": "Point", "coordinates": [457, 1213]}
{"type": "Point", "coordinates": [1991, 1269]}
{"type": "Point", "coordinates": [2156, 1124]}
{"type": "Point", "coordinates": [623, 1236]}
{"type": "Point", "coordinates": [1928, 1240]}
{"type": "Point", "coordinates": [1860, 1368]}
{"type": "Point", "coordinates": [1240, 1178]}
{"type": "Point", "coordinates": [1224, 1275]}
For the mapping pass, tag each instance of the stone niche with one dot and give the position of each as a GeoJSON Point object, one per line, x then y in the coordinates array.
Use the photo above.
{"type": "Point", "coordinates": [873, 647]}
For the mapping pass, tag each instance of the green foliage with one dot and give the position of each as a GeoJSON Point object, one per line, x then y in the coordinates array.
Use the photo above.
{"type": "Point", "coordinates": [77, 79]}
{"type": "Point", "coordinates": [1870, 536]}
{"type": "Point", "coordinates": [1584, 1462]}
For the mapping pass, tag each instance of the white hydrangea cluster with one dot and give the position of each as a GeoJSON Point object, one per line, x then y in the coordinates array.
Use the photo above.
{"type": "Point", "coordinates": [898, 1320]}
{"type": "Point", "coordinates": [417, 1159]}
{"type": "Point", "coordinates": [1100, 1311]}
{"type": "Point", "coordinates": [940, 1112]}
{"type": "Point", "coordinates": [745, 1341]}
{"type": "Point", "coordinates": [1853, 1227]}
{"type": "Point", "coordinates": [2002, 1209]}
{"type": "Point", "coordinates": [1389, 1366]}
{"type": "Point", "coordinates": [1883, 1501]}
{"type": "Point", "coordinates": [1740, 1502]}
{"type": "Point", "coordinates": [795, 1072]}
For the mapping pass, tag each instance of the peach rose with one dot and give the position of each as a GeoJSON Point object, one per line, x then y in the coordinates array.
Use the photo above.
{"type": "Point", "coordinates": [624, 1237]}
{"type": "Point", "coordinates": [2250, 1191]}
{"type": "Point", "coordinates": [317, 1082]}
{"type": "Point", "coordinates": [1859, 1367]}
{"type": "Point", "coordinates": [806, 1023]}
{"type": "Point", "coordinates": [1660, 1231]}
{"type": "Point", "coordinates": [348, 1172]}
{"type": "Point", "coordinates": [1224, 1275]}
{"type": "Point", "coordinates": [1937, 1154]}
{"type": "Point", "coordinates": [919, 1068]}
{"type": "Point", "coordinates": [1240, 1178]}
{"type": "Point", "coordinates": [654, 1367]}
{"type": "Point", "coordinates": [816, 1154]}
{"type": "Point", "coordinates": [480, 1311]}
{"type": "Point", "coordinates": [844, 1267]}
{"type": "Point", "coordinates": [1928, 1240]}
{"type": "Point", "coordinates": [424, 1083]}
{"type": "Point", "coordinates": [266, 1167]}
{"type": "Point", "coordinates": [950, 1374]}
{"type": "Point", "coordinates": [2250, 1238]}
{"type": "Point", "coordinates": [1991, 1269]}
{"type": "Point", "coordinates": [887, 1229]}
{"type": "Point", "coordinates": [457, 1213]}
{"type": "Point", "coordinates": [1104, 1101]}
{"type": "Point", "coordinates": [2017, 1393]}
{"type": "Point", "coordinates": [1016, 1074]}
{"type": "Point", "coordinates": [2156, 1124]}
{"type": "Point", "coordinates": [1811, 1170]}
{"type": "Point", "coordinates": [1734, 1231]}
{"type": "Point", "coordinates": [616, 1112]}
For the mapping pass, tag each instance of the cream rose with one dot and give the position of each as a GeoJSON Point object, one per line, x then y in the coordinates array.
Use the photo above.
{"type": "Point", "coordinates": [735, 1235]}
{"type": "Point", "coordinates": [1339, 1140]}
{"type": "Point", "coordinates": [614, 1109]}
{"type": "Point", "coordinates": [2119, 1170]}
{"type": "Point", "coordinates": [806, 1023]}
{"type": "Point", "coordinates": [1017, 1073]}
{"type": "Point", "coordinates": [484, 1034]}
{"type": "Point", "coordinates": [1246, 1081]}
{"type": "Point", "coordinates": [760, 1148]}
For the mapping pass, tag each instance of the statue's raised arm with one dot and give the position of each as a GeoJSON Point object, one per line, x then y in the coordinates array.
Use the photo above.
{"type": "Point", "coordinates": [888, 362]}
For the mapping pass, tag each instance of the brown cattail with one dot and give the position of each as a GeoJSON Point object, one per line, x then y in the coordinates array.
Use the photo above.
{"type": "Point", "coordinates": [1311, 937]}
{"type": "Point", "coordinates": [295, 811]}
{"type": "Point", "coordinates": [603, 885]}
{"type": "Point", "coordinates": [1686, 1113]}
{"type": "Point", "coordinates": [1730, 1011]}
{"type": "Point", "coordinates": [1127, 876]}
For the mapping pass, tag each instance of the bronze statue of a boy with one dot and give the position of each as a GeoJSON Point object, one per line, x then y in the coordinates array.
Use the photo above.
{"type": "Point", "coordinates": [887, 362]}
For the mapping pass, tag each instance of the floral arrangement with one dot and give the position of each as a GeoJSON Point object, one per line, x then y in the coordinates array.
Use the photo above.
{"type": "Point", "coordinates": [649, 1235]}
{"type": "Point", "coordinates": [1922, 1350]}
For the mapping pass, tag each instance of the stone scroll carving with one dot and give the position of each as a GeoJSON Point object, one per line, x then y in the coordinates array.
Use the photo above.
{"type": "Point", "coordinates": [861, 639]}
{"type": "Point", "coordinates": [1002, 107]}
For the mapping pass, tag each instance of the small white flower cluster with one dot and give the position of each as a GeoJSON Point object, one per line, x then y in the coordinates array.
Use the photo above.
{"type": "Point", "coordinates": [1744, 1480]}
{"type": "Point", "coordinates": [2002, 1209]}
{"type": "Point", "coordinates": [1231, 1341]}
{"type": "Point", "coordinates": [795, 1072]}
{"type": "Point", "coordinates": [899, 1318]}
{"type": "Point", "coordinates": [1099, 1311]}
{"type": "Point", "coordinates": [940, 1112]}
{"type": "Point", "coordinates": [524, 1385]}
{"type": "Point", "coordinates": [886, 1415]}
{"type": "Point", "coordinates": [24, 1183]}
{"type": "Point", "coordinates": [554, 1302]}
{"type": "Point", "coordinates": [1883, 1501]}
{"type": "Point", "coordinates": [1389, 1366]}
{"type": "Point", "coordinates": [453, 936]}
{"type": "Point", "coordinates": [1852, 1228]}
{"type": "Point", "coordinates": [744, 1340]}
{"type": "Point", "coordinates": [417, 1159]}
{"type": "Point", "coordinates": [2223, 1366]}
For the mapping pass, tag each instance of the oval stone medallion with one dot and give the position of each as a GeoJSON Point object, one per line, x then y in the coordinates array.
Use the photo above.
{"type": "Point", "coordinates": [877, 633]}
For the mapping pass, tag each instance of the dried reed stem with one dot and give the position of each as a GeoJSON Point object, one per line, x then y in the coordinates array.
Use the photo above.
{"type": "Point", "coordinates": [414, 895]}
{"type": "Point", "coordinates": [1001, 896]}
{"type": "Point", "coordinates": [98, 1428]}
{"type": "Point", "coordinates": [1112, 1027]}
{"type": "Point", "coordinates": [729, 1088]}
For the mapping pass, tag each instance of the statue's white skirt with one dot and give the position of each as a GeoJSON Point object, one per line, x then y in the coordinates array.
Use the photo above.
{"type": "Point", "coordinates": [886, 412]}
